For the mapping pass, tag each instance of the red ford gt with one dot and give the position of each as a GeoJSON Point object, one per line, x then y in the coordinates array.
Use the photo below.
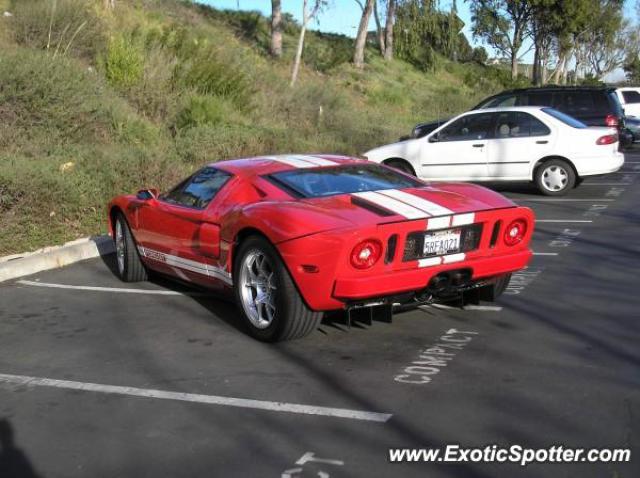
{"type": "Point", "coordinates": [295, 236]}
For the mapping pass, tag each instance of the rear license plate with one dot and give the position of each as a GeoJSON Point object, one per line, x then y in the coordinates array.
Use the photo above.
{"type": "Point", "coordinates": [442, 242]}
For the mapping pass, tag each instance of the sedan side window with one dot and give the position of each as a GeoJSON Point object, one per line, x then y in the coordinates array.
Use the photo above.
{"type": "Point", "coordinates": [198, 191]}
{"type": "Point", "coordinates": [467, 128]}
{"type": "Point", "coordinates": [517, 124]}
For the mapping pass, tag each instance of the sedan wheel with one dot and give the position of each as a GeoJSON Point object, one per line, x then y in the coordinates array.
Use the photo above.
{"type": "Point", "coordinates": [555, 178]}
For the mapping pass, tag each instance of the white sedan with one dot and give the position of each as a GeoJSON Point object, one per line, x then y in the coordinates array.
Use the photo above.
{"type": "Point", "coordinates": [537, 144]}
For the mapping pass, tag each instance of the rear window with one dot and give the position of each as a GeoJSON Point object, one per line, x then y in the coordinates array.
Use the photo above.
{"type": "Point", "coordinates": [320, 182]}
{"type": "Point", "coordinates": [566, 119]}
{"type": "Point", "coordinates": [631, 97]}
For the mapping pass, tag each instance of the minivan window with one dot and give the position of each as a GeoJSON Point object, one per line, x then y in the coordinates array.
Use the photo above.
{"type": "Point", "coordinates": [566, 119]}
{"type": "Point", "coordinates": [537, 98]}
{"type": "Point", "coordinates": [580, 102]}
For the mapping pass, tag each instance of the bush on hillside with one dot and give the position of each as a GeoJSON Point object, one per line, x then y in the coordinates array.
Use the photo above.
{"type": "Point", "coordinates": [63, 27]}
{"type": "Point", "coordinates": [123, 62]}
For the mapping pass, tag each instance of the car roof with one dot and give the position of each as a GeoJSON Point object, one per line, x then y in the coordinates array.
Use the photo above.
{"type": "Point", "coordinates": [506, 108]}
{"type": "Point", "coordinates": [268, 164]}
{"type": "Point", "coordinates": [556, 88]}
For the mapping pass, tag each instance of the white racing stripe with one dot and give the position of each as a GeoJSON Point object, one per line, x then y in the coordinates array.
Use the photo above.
{"type": "Point", "coordinates": [187, 264]}
{"type": "Point", "coordinates": [391, 204]}
{"type": "Point", "coordinates": [431, 208]}
{"type": "Point", "coordinates": [197, 398]}
{"type": "Point", "coordinates": [291, 161]}
{"type": "Point", "coordinates": [463, 219]}
{"type": "Point", "coordinates": [429, 261]}
{"type": "Point", "coordinates": [453, 258]}
{"type": "Point", "coordinates": [436, 261]}
{"type": "Point", "coordinates": [302, 161]}
{"type": "Point", "coordinates": [315, 160]}
{"type": "Point", "coordinates": [438, 222]}
{"type": "Point", "coordinates": [119, 290]}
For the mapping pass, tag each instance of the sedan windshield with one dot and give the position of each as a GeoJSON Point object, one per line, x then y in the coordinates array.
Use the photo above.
{"type": "Point", "coordinates": [566, 119]}
{"type": "Point", "coordinates": [319, 182]}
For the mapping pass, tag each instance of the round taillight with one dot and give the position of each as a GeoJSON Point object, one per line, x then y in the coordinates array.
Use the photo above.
{"type": "Point", "coordinates": [366, 254]}
{"type": "Point", "coordinates": [515, 231]}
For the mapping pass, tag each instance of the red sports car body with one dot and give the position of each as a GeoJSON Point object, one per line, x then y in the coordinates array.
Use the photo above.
{"type": "Point", "coordinates": [335, 232]}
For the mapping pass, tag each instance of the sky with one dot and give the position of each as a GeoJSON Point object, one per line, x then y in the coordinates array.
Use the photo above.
{"type": "Point", "coordinates": [343, 16]}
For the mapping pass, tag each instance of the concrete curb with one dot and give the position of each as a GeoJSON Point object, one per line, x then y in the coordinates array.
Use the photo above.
{"type": "Point", "coordinates": [19, 265]}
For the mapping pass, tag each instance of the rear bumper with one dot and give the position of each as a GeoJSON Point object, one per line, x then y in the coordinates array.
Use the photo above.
{"type": "Point", "coordinates": [354, 289]}
{"type": "Point", "coordinates": [600, 165]}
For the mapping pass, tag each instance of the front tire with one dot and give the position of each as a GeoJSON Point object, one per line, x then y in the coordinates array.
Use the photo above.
{"type": "Point", "coordinates": [555, 178]}
{"type": "Point", "coordinates": [400, 165]}
{"type": "Point", "coordinates": [130, 267]}
{"type": "Point", "coordinates": [272, 308]}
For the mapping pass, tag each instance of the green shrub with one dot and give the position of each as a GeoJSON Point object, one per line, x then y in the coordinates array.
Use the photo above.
{"type": "Point", "coordinates": [209, 74]}
{"type": "Point", "coordinates": [204, 110]}
{"type": "Point", "coordinates": [123, 62]}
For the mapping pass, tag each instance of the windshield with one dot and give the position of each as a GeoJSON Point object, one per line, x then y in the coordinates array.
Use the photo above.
{"type": "Point", "coordinates": [566, 119]}
{"type": "Point", "coordinates": [320, 182]}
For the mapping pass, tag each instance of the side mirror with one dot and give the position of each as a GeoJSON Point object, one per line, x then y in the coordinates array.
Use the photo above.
{"type": "Point", "coordinates": [434, 138]}
{"type": "Point", "coordinates": [147, 194]}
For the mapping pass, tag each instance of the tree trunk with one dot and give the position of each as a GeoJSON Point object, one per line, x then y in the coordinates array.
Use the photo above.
{"type": "Point", "coordinates": [276, 28]}
{"type": "Point", "coordinates": [361, 37]}
{"type": "Point", "coordinates": [379, 31]}
{"type": "Point", "coordinates": [303, 30]}
{"type": "Point", "coordinates": [514, 65]}
{"type": "Point", "coordinates": [109, 4]}
{"type": "Point", "coordinates": [537, 74]}
{"type": "Point", "coordinates": [296, 63]}
{"type": "Point", "coordinates": [388, 30]}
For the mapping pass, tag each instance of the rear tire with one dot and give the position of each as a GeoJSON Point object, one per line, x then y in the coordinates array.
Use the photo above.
{"type": "Point", "coordinates": [491, 292]}
{"type": "Point", "coordinates": [128, 262]}
{"type": "Point", "coordinates": [400, 165]}
{"type": "Point", "coordinates": [555, 177]}
{"type": "Point", "coordinates": [272, 308]}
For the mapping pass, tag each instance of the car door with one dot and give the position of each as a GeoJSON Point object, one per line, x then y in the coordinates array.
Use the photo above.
{"type": "Point", "coordinates": [458, 150]}
{"type": "Point", "coordinates": [179, 232]}
{"type": "Point", "coordinates": [519, 140]}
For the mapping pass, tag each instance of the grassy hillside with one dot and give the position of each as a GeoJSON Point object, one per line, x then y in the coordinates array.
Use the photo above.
{"type": "Point", "coordinates": [96, 103]}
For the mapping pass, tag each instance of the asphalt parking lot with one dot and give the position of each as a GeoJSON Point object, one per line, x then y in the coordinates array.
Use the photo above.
{"type": "Point", "coordinates": [100, 379]}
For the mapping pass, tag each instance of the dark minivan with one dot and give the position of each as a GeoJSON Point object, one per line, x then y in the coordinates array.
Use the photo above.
{"type": "Point", "coordinates": [594, 106]}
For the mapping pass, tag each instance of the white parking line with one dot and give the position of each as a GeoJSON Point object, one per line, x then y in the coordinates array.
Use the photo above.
{"type": "Point", "coordinates": [484, 308]}
{"type": "Point", "coordinates": [606, 184]}
{"type": "Point", "coordinates": [197, 398]}
{"type": "Point", "coordinates": [108, 289]}
{"type": "Point", "coordinates": [564, 220]}
{"type": "Point", "coordinates": [545, 253]}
